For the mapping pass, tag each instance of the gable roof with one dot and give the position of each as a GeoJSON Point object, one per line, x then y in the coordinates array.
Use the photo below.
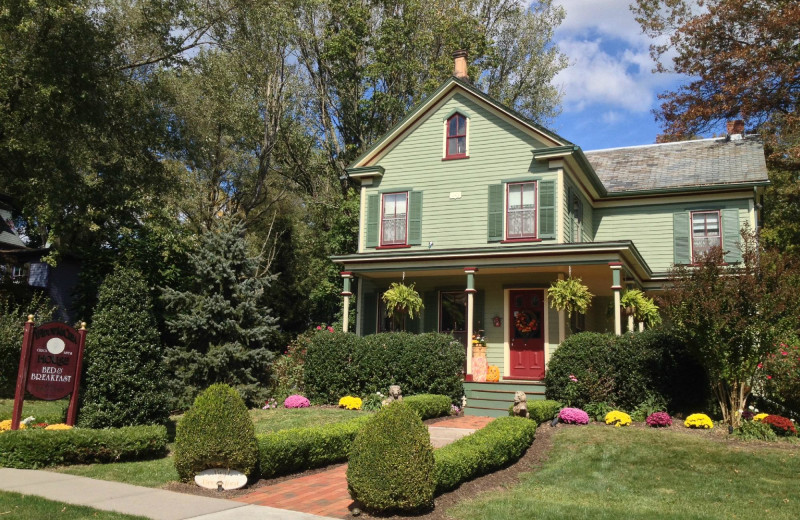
{"type": "Point", "coordinates": [8, 237]}
{"type": "Point", "coordinates": [687, 164]}
{"type": "Point", "coordinates": [445, 89]}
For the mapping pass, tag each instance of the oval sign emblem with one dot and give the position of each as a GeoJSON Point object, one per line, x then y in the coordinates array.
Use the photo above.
{"type": "Point", "coordinates": [53, 362]}
{"type": "Point", "coordinates": [227, 478]}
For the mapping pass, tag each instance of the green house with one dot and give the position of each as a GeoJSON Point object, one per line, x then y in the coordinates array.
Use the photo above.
{"type": "Point", "coordinates": [483, 209]}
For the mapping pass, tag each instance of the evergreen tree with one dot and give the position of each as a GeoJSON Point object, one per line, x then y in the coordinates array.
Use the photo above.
{"type": "Point", "coordinates": [124, 381]}
{"type": "Point", "coordinates": [222, 322]}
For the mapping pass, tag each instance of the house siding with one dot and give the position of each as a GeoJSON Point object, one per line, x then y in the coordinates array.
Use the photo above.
{"type": "Point", "coordinates": [650, 227]}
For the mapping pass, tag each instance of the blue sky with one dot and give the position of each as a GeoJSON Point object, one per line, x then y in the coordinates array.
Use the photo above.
{"type": "Point", "coordinates": [609, 89]}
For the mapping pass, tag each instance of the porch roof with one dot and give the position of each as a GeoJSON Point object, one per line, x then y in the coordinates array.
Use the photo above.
{"type": "Point", "coordinates": [527, 255]}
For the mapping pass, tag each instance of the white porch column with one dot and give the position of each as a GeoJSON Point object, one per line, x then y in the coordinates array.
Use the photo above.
{"type": "Point", "coordinates": [616, 286]}
{"type": "Point", "coordinates": [630, 323]}
{"type": "Point", "coordinates": [562, 320]}
{"type": "Point", "coordinates": [346, 294]}
{"type": "Point", "coordinates": [470, 272]}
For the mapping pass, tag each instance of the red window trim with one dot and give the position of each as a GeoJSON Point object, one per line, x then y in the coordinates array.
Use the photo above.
{"type": "Point", "coordinates": [396, 245]}
{"type": "Point", "coordinates": [535, 236]}
{"type": "Point", "coordinates": [691, 230]}
{"type": "Point", "coordinates": [447, 155]}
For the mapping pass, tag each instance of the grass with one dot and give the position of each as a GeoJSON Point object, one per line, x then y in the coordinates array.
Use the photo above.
{"type": "Point", "coordinates": [282, 418]}
{"type": "Point", "coordinates": [610, 473]}
{"type": "Point", "coordinates": [50, 411]}
{"type": "Point", "coordinates": [16, 505]}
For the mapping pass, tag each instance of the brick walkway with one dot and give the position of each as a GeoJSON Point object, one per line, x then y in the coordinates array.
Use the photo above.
{"type": "Point", "coordinates": [325, 493]}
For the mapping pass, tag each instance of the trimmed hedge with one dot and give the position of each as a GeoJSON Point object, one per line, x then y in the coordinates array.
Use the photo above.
{"type": "Point", "coordinates": [339, 364]}
{"type": "Point", "coordinates": [625, 371]}
{"type": "Point", "coordinates": [540, 410]}
{"type": "Point", "coordinates": [429, 406]}
{"type": "Point", "coordinates": [499, 443]}
{"type": "Point", "coordinates": [33, 449]}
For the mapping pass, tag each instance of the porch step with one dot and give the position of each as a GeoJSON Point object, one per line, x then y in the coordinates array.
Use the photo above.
{"type": "Point", "coordinates": [493, 399]}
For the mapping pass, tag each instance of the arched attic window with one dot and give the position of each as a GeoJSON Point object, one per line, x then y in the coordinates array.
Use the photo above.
{"type": "Point", "coordinates": [456, 140]}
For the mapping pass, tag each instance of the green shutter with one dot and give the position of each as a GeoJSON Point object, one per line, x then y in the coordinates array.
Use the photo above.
{"type": "Point", "coordinates": [373, 219]}
{"type": "Point", "coordinates": [478, 320]}
{"type": "Point", "coordinates": [414, 218]}
{"type": "Point", "coordinates": [547, 209]}
{"type": "Point", "coordinates": [495, 222]}
{"type": "Point", "coordinates": [431, 312]}
{"type": "Point", "coordinates": [731, 235]}
{"type": "Point", "coordinates": [369, 313]}
{"type": "Point", "coordinates": [682, 252]}
{"type": "Point", "coordinates": [571, 219]}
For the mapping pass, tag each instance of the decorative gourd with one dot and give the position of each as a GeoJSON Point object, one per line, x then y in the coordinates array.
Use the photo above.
{"type": "Point", "coordinates": [493, 374]}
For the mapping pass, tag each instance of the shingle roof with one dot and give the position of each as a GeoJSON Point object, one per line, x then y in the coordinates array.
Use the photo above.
{"type": "Point", "coordinates": [707, 162]}
{"type": "Point", "coordinates": [7, 236]}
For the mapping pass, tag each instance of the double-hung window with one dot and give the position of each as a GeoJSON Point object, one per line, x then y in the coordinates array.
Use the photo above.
{"type": "Point", "coordinates": [394, 219]}
{"type": "Point", "coordinates": [521, 210]}
{"type": "Point", "coordinates": [706, 232]}
{"type": "Point", "coordinates": [456, 146]}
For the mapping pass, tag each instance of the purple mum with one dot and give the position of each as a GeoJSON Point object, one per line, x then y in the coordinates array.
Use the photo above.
{"type": "Point", "coordinates": [573, 416]}
{"type": "Point", "coordinates": [296, 401]}
{"type": "Point", "coordinates": [659, 419]}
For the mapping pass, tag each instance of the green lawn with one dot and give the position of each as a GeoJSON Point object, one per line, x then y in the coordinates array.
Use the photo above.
{"type": "Point", "coordinates": [27, 506]}
{"type": "Point", "coordinates": [598, 472]}
{"type": "Point", "coordinates": [282, 418]}
{"type": "Point", "coordinates": [52, 411]}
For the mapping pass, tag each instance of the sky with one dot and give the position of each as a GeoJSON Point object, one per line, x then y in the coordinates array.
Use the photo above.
{"type": "Point", "coordinates": [609, 89]}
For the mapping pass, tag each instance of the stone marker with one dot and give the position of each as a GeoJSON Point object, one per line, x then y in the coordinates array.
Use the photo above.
{"type": "Point", "coordinates": [226, 478]}
{"type": "Point", "coordinates": [521, 404]}
{"type": "Point", "coordinates": [394, 395]}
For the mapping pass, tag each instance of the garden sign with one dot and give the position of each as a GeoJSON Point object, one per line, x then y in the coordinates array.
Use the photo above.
{"type": "Point", "coordinates": [50, 365]}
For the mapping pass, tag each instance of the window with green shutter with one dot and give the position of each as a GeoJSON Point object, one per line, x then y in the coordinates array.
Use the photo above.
{"type": "Point", "coordinates": [731, 236]}
{"type": "Point", "coordinates": [681, 248]}
{"type": "Point", "coordinates": [394, 219]}
{"type": "Point", "coordinates": [496, 213]}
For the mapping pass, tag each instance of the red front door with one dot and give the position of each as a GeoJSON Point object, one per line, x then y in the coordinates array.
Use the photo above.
{"type": "Point", "coordinates": [527, 333]}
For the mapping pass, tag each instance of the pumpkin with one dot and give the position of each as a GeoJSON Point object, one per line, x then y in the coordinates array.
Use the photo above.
{"type": "Point", "coordinates": [493, 374]}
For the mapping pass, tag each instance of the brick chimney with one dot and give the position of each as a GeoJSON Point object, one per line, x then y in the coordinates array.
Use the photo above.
{"type": "Point", "coordinates": [736, 128]}
{"type": "Point", "coordinates": [460, 65]}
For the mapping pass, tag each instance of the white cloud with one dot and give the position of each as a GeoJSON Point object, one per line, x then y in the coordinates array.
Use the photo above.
{"type": "Point", "coordinates": [611, 17]}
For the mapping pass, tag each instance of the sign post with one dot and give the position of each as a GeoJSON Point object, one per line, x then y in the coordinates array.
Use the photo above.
{"type": "Point", "coordinates": [50, 365]}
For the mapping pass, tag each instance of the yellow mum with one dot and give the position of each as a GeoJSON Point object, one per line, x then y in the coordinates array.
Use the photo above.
{"type": "Point", "coordinates": [618, 418]}
{"type": "Point", "coordinates": [6, 425]}
{"type": "Point", "coordinates": [760, 417]}
{"type": "Point", "coordinates": [351, 403]}
{"type": "Point", "coordinates": [59, 426]}
{"type": "Point", "coordinates": [698, 420]}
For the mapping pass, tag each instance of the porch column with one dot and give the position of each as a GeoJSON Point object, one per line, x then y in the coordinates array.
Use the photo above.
{"type": "Point", "coordinates": [470, 272]}
{"type": "Point", "coordinates": [562, 320]}
{"type": "Point", "coordinates": [616, 286]}
{"type": "Point", "coordinates": [346, 293]}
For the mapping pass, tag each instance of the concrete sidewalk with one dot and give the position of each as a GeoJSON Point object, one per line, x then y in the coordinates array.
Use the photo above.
{"type": "Point", "coordinates": [156, 504]}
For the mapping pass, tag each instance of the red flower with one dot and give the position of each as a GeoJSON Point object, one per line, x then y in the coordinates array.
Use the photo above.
{"type": "Point", "coordinates": [769, 377]}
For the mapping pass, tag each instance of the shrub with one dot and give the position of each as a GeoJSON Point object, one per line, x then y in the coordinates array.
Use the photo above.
{"type": "Point", "coordinates": [288, 370]}
{"type": "Point", "coordinates": [501, 442]}
{"type": "Point", "coordinates": [391, 463]}
{"type": "Point", "coordinates": [698, 420]}
{"type": "Point", "coordinates": [598, 411]}
{"type": "Point", "coordinates": [216, 432]}
{"type": "Point", "coordinates": [780, 425]}
{"type": "Point", "coordinates": [625, 371]}
{"type": "Point", "coordinates": [756, 431]}
{"type": "Point", "coordinates": [783, 368]}
{"type": "Point", "coordinates": [296, 401]}
{"type": "Point", "coordinates": [659, 419]}
{"type": "Point", "coordinates": [573, 416]}
{"type": "Point", "coordinates": [38, 448]}
{"type": "Point", "coordinates": [648, 407]}
{"type": "Point", "coordinates": [124, 381]}
{"type": "Point", "coordinates": [350, 403]}
{"type": "Point", "coordinates": [540, 411]}
{"type": "Point", "coordinates": [429, 406]}
{"type": "Point", "coordinates": [12, 318]}
{"type": "Point", "coordinates": [618, 418]}
{"type": "Point", "coordinates": [340, 364]}
{"type": "Point", "coordinates": [373, 402]}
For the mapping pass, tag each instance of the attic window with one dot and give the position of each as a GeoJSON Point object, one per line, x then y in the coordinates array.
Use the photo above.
{"type": "Point", "coordinates": [456, 145]}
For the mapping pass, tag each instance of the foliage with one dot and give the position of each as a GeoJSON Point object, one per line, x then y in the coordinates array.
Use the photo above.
{"type": "Point", "coordinates": [402, 300]}
{"type": "Point", "coordinates": [543, 410]}
{"type": "Point", "coordinates": [298, 449]}
{"type": "Point", "coordinates": [573, 416]}
{"type": "Point", "coordinates": [780, 425]}
{"type": "Point", "coordinates": [644, 309]}
{"type": "Point", "coordinates": [288, 369]}
{"type": "Point", "coordinates": [350, 403]}
{"type": "Point", "coordinates": [569, 294]}
{"type": "Point", "coordinates": [124, 375]}
{"type": "Point", "coordinates": [698, 420]}
{"type": "Point", "coordinates": [296, 401]}
{"type": "Point", "coordinates": [659, 419]}
{"type": "Point", "coordinates": [12, 320]}
{"type": "Point", "coordinates": [391, 462]}
{"type": "Point", "coordinates": [598, 410]}
{"type": "Point", "coordinates": [730, 317]}
{"type": "Point", "coordinates": [625, 371]}
{"type": "Point", "coordinates": [38, 448]}
{"type": "Point", "coordinates": [373, 402]}
{"type": "Point", "coordinates": [429, 406]}
{"type": "Point", "coordinates": [780, 375]}
{"type": "Point", "coordinates": [494, 446]}
{"type": "Point", "coordinates": [222, 321]}
{"type": "Point", "coordinates": [755, 431]}
{"type": "Point", "coordinates": [216, 432]}
{"type": "Point", "coordinates": [648, 407]}
{"type": "Point", "coordinates": [340, 364]}
{"type": "Point", "coordinates": [618, 418]}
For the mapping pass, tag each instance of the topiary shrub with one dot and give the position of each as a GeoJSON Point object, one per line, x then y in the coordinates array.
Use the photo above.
{"type": "Point", "coordinates": [216, 432]}
{"type": "Point", "coordinates": [540, 411]}
{"type": "Point", "coordinates": [429, 406]}
{"type": "Point", "coordinates": [391, 464]}
{"type": "Point", "coordinates": [124, 383]}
